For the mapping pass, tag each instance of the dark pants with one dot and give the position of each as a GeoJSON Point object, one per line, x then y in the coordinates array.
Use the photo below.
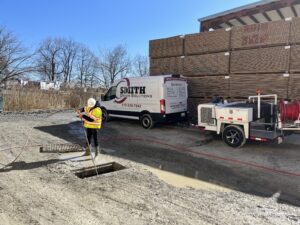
{"type": "Point", "coordinates": [90, 133]}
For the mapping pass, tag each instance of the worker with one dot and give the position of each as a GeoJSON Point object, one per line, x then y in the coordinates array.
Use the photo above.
{"type": "Point", "coordinates": [92, 117]}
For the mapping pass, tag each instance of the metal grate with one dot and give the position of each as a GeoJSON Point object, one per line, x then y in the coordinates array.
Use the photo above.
{"type": "Point", "coordinates": [61, 148]}
{"type": "Point", "coordinates": [206, 116]}
{"type": "Point", "coordinates": [1, 102]}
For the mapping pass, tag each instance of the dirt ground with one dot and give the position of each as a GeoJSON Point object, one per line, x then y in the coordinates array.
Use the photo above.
{"type": "Point", "coordinates": [173, 175]}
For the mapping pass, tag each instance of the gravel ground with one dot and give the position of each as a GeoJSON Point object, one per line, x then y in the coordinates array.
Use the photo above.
{"type": "Point", "coordinates": [42, 189]}
{"type": "Point", "coordinates": [34, 115]}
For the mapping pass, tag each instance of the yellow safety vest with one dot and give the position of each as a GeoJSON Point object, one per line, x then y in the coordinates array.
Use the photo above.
{"type": "Point", "coordinates": [96, 115]}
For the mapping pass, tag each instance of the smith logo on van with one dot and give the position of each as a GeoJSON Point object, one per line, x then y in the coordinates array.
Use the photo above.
{"type": "Point", "coordinates": [129, 91]}
{"type": "Point", "coordinates": [133, 90]}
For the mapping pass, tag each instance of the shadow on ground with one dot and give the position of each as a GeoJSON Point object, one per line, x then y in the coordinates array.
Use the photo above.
{"type": "Point", "coordinates": [73, 132]}
{"type": "Point", "coordinates": [21, 165]}
{"type": "Point", "coordinates": [240, 178]}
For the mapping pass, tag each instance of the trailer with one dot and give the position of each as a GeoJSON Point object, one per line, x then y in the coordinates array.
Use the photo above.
{"type": "Point", "coordinates": [260, 118]}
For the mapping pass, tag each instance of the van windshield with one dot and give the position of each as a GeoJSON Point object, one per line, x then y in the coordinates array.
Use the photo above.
{"type": "Point", "coordinates": [110, 94]}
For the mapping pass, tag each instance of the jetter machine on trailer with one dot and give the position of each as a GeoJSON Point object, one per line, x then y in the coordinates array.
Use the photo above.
{"type": "Point", "coordinates": [261, 118]}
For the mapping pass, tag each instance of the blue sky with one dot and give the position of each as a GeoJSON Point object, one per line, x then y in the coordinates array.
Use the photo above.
{"type": "Point", "coordinates": [105, 24]}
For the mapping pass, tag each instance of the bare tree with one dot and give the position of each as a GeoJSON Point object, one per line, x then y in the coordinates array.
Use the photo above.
{"type": "Point", "coordinates": [69, 51]}
{"type": "Point", "coordinates": [95, 73]}
{"type": "Point", "coordinates": [14, 61]}
{"type": "Point", "coordinates": [87, 67]}
{"type": "Point", "coordinates": [49, 59]}
{"type": "Point", "coordinates": [141, 66]}
{"type": "Point", "coordinates": [56, 58]}
{"type": "Point", "coordinates": [114, 64]}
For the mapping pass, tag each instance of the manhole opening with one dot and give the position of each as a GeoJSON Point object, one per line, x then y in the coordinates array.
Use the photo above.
{"type": "Point", "coordinates": [101, 169]}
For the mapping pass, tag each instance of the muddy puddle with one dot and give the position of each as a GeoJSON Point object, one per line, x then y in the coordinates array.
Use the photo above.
{"type": "Point", "coordinates": [181, 181]}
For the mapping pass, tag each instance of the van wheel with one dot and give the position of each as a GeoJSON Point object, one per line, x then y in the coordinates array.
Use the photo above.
{"type": "Point", "coordinates": [234, 136]}
{"type": "Point", "coordinates": [147, 121]}
{"type": "Point", "coordinates": [105, 116]}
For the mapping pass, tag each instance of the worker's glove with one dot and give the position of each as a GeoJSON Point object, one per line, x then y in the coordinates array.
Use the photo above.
{"type": "Point", "coordinates": [80, 116]}
{"type": "Point", "coordinates": [77, 111]}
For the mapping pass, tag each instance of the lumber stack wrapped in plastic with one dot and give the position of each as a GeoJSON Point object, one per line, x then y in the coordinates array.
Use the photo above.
{"type": "Point", "coordinates": [295, 59]}
{"type": "Point", "coordinates": [260, 35]}
{"type": "Point", "coordinates": [243, 85]}
{"type": "Point", "coordinates": [261, 60]}
{"type": "Point", "coordinates": [208, 86]}
{"type": "Point", "coordinates": [207, 42]}
{"type": "Point", "coordinates": [165, 66]}
{"type": "Point", "coordinates": [295, 31]}
{"type": "Point", "coordinates": [294, 87]}
{"type": "Point", "coordinates": [208, 64]}
{"type": "Point", "coordinates": [166, 47]}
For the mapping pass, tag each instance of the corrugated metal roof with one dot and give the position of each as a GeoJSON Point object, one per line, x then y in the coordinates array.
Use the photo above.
{"type": "Point", "coordinates": [258, 12]}
{"type": "Point", "coordinates": [249, 6]}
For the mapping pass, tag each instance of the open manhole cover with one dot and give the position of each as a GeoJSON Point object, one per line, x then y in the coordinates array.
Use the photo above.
{"type": "Point", "coordinates": [101, 169]}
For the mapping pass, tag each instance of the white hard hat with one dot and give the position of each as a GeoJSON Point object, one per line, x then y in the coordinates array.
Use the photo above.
{"type": "Point", "coordinates": [91, 102]}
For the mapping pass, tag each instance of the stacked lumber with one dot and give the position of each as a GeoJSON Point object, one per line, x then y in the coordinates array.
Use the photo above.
{"type": "Point", "coordinates": [207, 42]}
{"type": "Point", "coordinates": [166, 47]}
{"type": "Point", "coordinates": [165, 66]}
{"type": "Point", "coordinates": [263, 34]}
{"type": "Point", "coordinates": [208, 64]}
{"type": "Point", "coordinates": [165, 56]}
{"type": "Point", "coordinates": [208, 86]}
{"type": "Point", "coordinates": [260, 60]}
{"type": "Point", "coordinates": [295, 59]}
{"type": "Point", "coordinates": [294, 87]}
{"type": "Point", "coordinates": [234, 63]}
{"type": "Point", "coordinates": [243, 85]}
{"type": "Point", "coordinates": [295, 31]}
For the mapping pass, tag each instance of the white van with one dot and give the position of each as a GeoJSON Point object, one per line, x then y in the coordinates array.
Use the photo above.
{"type": "Point", "coordinates": [148, 99]}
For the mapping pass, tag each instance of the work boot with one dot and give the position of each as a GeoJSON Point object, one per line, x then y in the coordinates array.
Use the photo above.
{"type": "Point", "coordinates": [97, 151]}
{"type": "Point", "coordinates": [87, 151]}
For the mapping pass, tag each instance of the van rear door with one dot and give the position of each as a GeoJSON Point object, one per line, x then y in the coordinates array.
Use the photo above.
{"type": "Point", "coordinates": [175, 94]}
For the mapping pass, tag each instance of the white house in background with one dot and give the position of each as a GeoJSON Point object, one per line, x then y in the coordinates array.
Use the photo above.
{"type": "Point", "coordinates": [18, 83]}
{"type": "Point", "coordinates": [24, 82]}
{"type": "Point", "coordinates": [50, 85]}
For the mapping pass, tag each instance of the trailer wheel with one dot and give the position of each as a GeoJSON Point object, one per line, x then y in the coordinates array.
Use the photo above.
{"type": "Point", "coordinates": [147, 121]}
{"type": "Point", "coordinates": [105, 116]}
{"type": "Point", "coordinates": [234, 136]}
